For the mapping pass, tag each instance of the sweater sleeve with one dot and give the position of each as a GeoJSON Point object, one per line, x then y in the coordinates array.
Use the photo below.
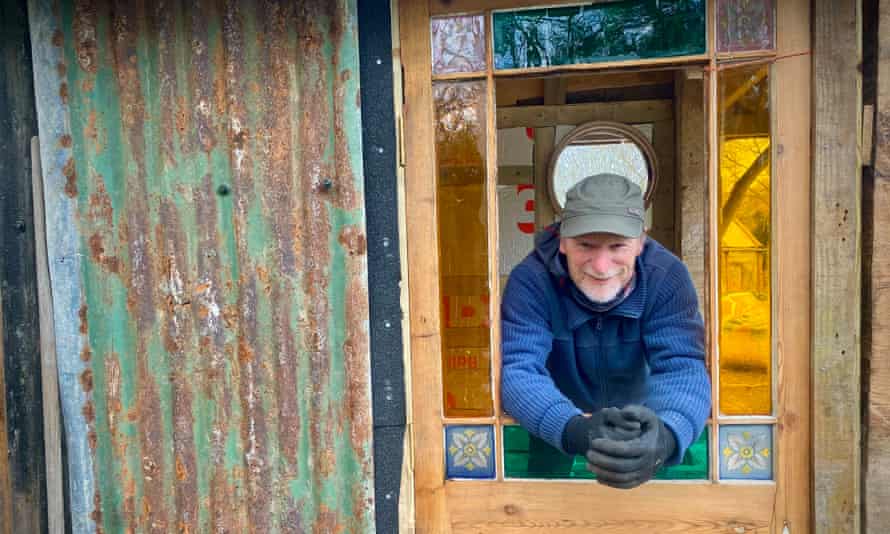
{"type": "Point", "coordinates": [679, 385]}
{"type": "Point", "coordinates": [528, 392]}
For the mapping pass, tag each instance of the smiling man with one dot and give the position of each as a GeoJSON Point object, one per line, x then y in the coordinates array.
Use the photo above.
{"type": "Point", "coordinates": [603, 341]}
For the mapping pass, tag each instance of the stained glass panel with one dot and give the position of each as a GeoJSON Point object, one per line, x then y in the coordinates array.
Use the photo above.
{"type": "Point", "coordinates": [598, 32]}
{"type": "Point", "coordinates": [745, 366]}
{"type": "Point", "coordinates": [458, 44]}
{"type": "Point", "coordinates": [526, 456]}
{"type": "Point", "coordinates": [744, 25]}
{"type": "Point", "coordinates": [469, 451]}
{"type": "Point", "coordinates": [746, 452]}
{"type": "Point", "coordinates": [463, 248]}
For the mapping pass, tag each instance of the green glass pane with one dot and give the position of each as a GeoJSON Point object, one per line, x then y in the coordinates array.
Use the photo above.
{"type": "Point", "coordinates": [631, 29]}
{"type": "Point", "coordinates": [526, 456]}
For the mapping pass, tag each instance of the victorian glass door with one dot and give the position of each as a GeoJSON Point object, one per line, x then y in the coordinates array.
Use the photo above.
{"type": "Point", "coordinates": [709, 101]}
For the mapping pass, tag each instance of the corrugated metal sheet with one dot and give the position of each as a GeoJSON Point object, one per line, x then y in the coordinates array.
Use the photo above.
{"type": "Point", "coordinates": [206, 235]}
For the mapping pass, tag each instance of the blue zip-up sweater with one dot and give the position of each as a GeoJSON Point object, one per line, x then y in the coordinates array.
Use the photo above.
{"type": "Point", "coordinates": [564, 354]}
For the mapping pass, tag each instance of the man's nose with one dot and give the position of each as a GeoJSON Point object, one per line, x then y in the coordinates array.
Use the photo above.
{"type": "Point", "coordinates": [600, 261]}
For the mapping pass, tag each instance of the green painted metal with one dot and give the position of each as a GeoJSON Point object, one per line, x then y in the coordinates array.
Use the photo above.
{"type": "Point", "coordinates": [215, 166]}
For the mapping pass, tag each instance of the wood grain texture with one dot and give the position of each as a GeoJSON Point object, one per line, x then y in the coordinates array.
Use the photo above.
{"type": "Point", "coordinates": [638, 111]}
{"type": "Point", "coordinates": [791, 215]}
{"type": "Point", "coordinates": [423, 270]}
{"type": "Point", "coordinates": [877, 466]}
{"type": "Point", "coordinates": [836, 263]}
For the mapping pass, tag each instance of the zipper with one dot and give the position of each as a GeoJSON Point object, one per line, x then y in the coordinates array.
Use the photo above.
{"type": "Point", "coordinates": [601, 361]}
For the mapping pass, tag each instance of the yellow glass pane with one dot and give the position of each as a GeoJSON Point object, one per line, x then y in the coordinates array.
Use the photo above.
{"type": "Point", "coordinates": [745, 367]}
{"type": "Point", "coordinates": [463, 248]}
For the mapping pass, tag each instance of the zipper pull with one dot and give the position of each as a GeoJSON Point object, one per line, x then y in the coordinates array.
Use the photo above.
{"type": "Point", "coordinates": [599, 323]}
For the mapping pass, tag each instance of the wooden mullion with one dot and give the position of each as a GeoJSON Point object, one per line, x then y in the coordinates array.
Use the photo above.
{"type": "Point", "coordinates": [712, 246]}
{"type": "Point", "coordinates": [669, 62]}
{"type": "Point", "coordinates": [423, 269]}
{"type": "Point", "coordinates": [459, 77]}
{"type": "Point", "coordinates": [836, 263]}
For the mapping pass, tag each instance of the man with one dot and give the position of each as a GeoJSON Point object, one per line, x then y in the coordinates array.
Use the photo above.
{"type": "Point", "coordinates": [603, 320]}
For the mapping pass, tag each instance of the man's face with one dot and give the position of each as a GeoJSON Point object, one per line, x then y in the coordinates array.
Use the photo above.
{"type": "Point", "coordinates": [600, 264]}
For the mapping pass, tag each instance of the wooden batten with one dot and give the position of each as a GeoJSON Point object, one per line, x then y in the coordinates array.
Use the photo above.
{"type": "Point", "coordinates": [836, 263]}
{"type": "Point", "coordinates": [877, 465]}
{"type": "Point", "coordinates": [791, 183]}
{"type": "Point", "coordinates": [423, 267]}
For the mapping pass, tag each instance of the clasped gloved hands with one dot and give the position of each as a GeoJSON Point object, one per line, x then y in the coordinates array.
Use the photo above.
{"type": "Point", "coordinates": [627, 463]}
{"type": "Point", "coordinates": [607, 423]}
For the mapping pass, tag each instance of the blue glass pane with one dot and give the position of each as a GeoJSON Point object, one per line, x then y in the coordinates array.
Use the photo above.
{"type": "Point", "coordinates": [632, 29]}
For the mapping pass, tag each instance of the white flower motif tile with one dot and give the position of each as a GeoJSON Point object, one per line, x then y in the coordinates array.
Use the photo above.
{"type": "Point", "coordinates": [469, 451]}
{"type": "Point", "coordinates": [746, 452]}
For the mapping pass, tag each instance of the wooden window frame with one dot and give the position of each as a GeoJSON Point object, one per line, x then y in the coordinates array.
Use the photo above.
{"type": "Point", "coordinates": [521, 505]}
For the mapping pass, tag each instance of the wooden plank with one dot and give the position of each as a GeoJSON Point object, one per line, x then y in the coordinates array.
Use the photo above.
{"type": "Point", "coordinates": [515, 174]}
{"type": "Point", "coordinates": [836, 261]}
{"type": "Point", "coordinates": [423, 270]}
{"type": "Point", "coordinates": [691, 179]}
{"type": "Point", "coordinates": [877, 466]}
{"type": "Point", "coordinates": [545, 138]}
{"type": "Point", "coordinates": [791, 215]}
{"type": "Point", "coordinates": [49, 372]}
{"type": "Point", "coordinates": [579, 507]}
{"type": "Point", "coordinates": [510, 91]}
{"type": "Point", "coordinates": [663, 201]}
{"type": "Point", "coordinates": [638, 111]}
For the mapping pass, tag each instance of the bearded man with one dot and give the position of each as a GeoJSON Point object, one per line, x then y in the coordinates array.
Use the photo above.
{"type": "Point", "coordinates": [603, 342]}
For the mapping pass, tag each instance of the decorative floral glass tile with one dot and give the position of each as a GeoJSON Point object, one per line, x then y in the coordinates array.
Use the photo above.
{"type": "Point", "coordinates": [597, 32]}
{"type": "Point", "coordinates": [458, 44]}
{"type": "Point", "coordinates": [744, 25]}
{"type": "Point", "coordinates": [469, 451]}
{"type": "Point", "coordinates": [746, 452]}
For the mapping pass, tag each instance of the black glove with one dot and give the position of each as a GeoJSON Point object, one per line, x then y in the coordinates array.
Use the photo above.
{"type": "Point", "coordinates": [627, 464]}
{"type": "Point", "coordinates": [581, 430]}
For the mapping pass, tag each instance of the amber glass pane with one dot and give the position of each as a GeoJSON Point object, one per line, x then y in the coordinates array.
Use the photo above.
{"type": "Point", "coordinates": [463, 247]}
{"type": "Point", "coordinates": [745, 367]}
{"type": "Point", "coordinates": [744, 25]}
{"type": "Point", "coordinates": [458, 44]}
{"type": "Point", "coordinates": [526, 456]}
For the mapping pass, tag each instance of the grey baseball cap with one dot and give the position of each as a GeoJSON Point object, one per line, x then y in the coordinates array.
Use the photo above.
{"type": "Point", "coordinates": [606, 203]}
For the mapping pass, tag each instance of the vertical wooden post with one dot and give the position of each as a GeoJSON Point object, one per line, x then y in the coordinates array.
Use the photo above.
{"type": "Point", "coordinates": [836, 261]}
{"type": "Point", "coordinates": [877, 468]}
{"type": "Point", "coordinates": [6, 518]}
{"type": "Point", "coordinates": [554, 93]}
{"type": "Point", "coordinates": [423, 266]}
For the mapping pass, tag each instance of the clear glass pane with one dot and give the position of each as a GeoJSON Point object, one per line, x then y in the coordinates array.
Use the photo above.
{"type": "Point", "coordinates": [458, 44]}
{"type": "Point", "coordinates": [526, 456]}
{"type": "Point", "coordinates": [745, 369]}
{"type": "Point", "coordinates": [746, 452]}
{"type": "Point", "coordinates": [598, 32]}
{"type": "Point", "coordinates": [744, 25]}
{"type": "Point", "coordinates": [463, 247]}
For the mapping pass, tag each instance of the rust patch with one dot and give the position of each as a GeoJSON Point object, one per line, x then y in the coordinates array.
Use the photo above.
{"type": "Point", "coordinates": [86, 380]}
{"type": "Point", "coordinates": [84, 27]}
{"type": "Point", "coordinates": [111, 264]}
{"type": "Point", "coordinates": [353, 240]}
{"type": "Point", "coordinates": [89, 413]}
{"type": "Point", "coordinates": [82, 314]}
{"type": "Point", "coordinates": [61, 69]}
{"type": "Point", "coordinates": [58, 38]}
{"type": "Point", "coordinates": [86, 354]}
{"type": "Point", "coordinates": [90, 130]}
{"type": "Point", "coordinates": [63, 92]}
{"type": "Point", "coordinates": [327, 522]}
{"type": "Point", "coordinates": [70, 178]}
{"type": "Point", "coordinates": [245, 353]}
{"type": "Point", "coordinates": [93, 439]}
{"type": "Point", "coordinates": [65, 141]}
{"type": "Point", "coordinates": [100, 208]}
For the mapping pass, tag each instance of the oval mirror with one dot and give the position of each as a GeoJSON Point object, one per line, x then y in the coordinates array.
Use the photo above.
{"type": "Point", "coordinates": [602, 147]}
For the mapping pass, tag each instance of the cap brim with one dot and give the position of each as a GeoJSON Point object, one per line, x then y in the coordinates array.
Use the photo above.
{"type": "Point", "coordinates": [601, 223]}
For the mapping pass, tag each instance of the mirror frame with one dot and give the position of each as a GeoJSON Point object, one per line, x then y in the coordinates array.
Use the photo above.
{"type": "Point", "coordinates": [583, 132]}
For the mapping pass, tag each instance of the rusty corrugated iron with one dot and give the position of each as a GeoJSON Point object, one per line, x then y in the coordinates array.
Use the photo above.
{"type": "Point", "coordinates": [206, 231]}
